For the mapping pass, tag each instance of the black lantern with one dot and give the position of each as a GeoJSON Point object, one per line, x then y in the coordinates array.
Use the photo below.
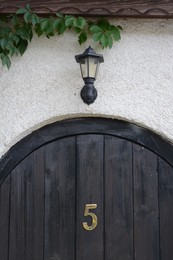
{"type": "Point", "coordinates": [89, 64]}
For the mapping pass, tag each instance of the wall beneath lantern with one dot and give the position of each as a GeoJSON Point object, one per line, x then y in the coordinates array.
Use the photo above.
{"type": "Point", "coordinates": [135, 83]}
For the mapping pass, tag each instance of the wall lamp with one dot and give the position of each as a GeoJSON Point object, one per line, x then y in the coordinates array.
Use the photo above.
{"type": "Point", "coordinates": [89, 64]}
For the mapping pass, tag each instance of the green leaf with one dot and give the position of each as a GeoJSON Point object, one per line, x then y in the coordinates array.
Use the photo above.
{"type": "Point", "coordinates": [111, 28]}
{"type": "Point", "coordinates": [56, 24]}
{"type": "Point", "coordinates": [45, 25]}
{"type": "Point", "coordinates": [110, 42]}
{"type": "Point", "coordinates": [3, 43]}
{"type": "Point", "coordinates": [79, 22]}
{"type": "Point", "coordinates": [60, 15]}
{"type": "Point", "coordinates": [82, 38]}
{"type": "Point", "coordinates": [104, 40]}
{"type": "Point", "coordinates": [69, 21]}
{"type": "Point", "coordinates": [77, 30]}
{"type": "Point", "coordinates": [50, 32]}
{"type": "Point", "coordinates": [30, 34]}
{"type": "Point", "coordinates": [4, 31]}
{"type": "Point", "coordinates": [97, 36]}
{"type": "Point", "coordinates": [62, 27]}
{"type": "Point", "coordinates": [16, 38]}
{"type": "Point", "coordinates": [103, 24]}
{"type": "Point", "coordinates": [6, 61]}
{"type": "Point", "coordinates": [38, 30]}
{"type": "Point", "coordinates": [95, 29]}
{"type": "Point", "coordinates": [34, 19]}
{"type": "Point", "coordinates": [28, 7]}
{"type": "Point", "coordinates": [22, 11]}
{"type": "Point", "coordinates": [23, 32]}
{"type": "Point", "coordinates": [13, 50]}
{"type": "Point", "coordinates": [27, 17]}
{"type": "Point", "coordinates": [15, 20]}
{"type": "Point", "coordinates": [9, 43]}
{"type": "Point", "coordinates": [22, 46]}
{"type": "Point", "coordinates": [116, 35]}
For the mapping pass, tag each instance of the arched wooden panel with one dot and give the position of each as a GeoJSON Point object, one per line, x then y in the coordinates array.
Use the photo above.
{"type": "Point", "coordinates": [43, 197]}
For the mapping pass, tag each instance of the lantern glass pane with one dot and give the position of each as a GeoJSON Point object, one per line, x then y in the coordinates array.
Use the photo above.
{"type": "Point", "coordinates": [93, 63]}
{"type": "Point", "coordinates": [98, 65]}
{"type": "Point", "coordinates": [89, 67]}
{"type": "Point", "coordinates": [84, 67]}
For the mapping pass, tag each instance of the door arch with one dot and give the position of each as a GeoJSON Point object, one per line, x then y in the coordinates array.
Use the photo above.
{"type": "Point", "coordinates": [55, 174]}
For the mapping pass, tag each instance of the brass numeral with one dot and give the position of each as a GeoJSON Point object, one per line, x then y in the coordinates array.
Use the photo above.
{"type": "Point", "coordinates": [87, 212]}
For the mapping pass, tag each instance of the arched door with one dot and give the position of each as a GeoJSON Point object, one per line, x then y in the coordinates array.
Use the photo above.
{"type": "Point", "coordinates": [87, 189]}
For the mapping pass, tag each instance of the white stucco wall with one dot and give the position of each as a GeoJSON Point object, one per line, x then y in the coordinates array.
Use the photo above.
{"type": "Point", "coordinates": [135, 83]}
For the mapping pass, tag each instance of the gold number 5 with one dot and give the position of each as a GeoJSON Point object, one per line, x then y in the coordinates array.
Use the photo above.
{"type": "Point", "coordinates": [92, 215]}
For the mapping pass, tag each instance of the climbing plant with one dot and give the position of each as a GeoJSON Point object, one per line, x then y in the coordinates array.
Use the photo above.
{"type": "Point", "coordinates": [16, 30]}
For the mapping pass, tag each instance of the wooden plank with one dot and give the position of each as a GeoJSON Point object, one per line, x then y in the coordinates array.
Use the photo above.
{"type": "Point", "coordinates": [140, 8]}
{"type": "Point", "coordinates": [27, 177]}
{"type": "Point", "coordinates": [118, 199]}
{"type": "Point", "coordinates": [166, 209]}
{"type": "Point", "coordinates": [60, 200]}
{"type": "Point", "coordinates": [27, 208]}
{"type": "Point", "coordinates": [16, 214]}
{"type": "Point", "coordinates": [146, 214]}
{"type": "Point", "coordinates": [89, 244]}
{"type": "Point", "coordinates": [4, 218]}
{"type": "Point", "coordinates": [22, 235]}
{"type": "Point", "coordinates": [38, 207]}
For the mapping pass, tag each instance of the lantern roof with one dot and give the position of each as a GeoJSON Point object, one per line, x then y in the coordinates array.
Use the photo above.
{"type": "Point", "coordinates": [89, 52]}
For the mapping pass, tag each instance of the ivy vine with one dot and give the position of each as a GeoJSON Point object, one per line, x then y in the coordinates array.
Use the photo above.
{"type": "Point", "coordinates": [16, 31]}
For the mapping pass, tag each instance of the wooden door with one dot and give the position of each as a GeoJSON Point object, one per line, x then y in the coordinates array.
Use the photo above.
{"type": "Point", "coordinates": [44, 196]}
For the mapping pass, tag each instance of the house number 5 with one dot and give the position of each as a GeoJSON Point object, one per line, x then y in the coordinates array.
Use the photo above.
{"type": "Point", "coordinates": [87, 212]}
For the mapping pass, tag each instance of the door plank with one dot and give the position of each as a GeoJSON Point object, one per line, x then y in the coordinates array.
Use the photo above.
{"type": "Point", "coordinates": [15, 239]}
{"type": "Point", "coordinates": [21, 217]}
{"type": "Point", "coordinates": [38, 207]}
{"type": "Point", "coordinates": [60, 200]}
{"type": "Point", "coordinates": [27, 208]}
{"type": "Point", "coordinates": [118, 199]}
{"type": "Point", "coordinates": [146, 214]}
{"type": "Point", "coordinates": [166, 209]}
{"type": "Point", "coordinates": [89, 244]}
{"type": "Point", "coordinates": [4, 218]}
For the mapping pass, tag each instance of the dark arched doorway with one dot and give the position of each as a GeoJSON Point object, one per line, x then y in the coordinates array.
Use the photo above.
{"type": "Point", "coordinates": [82, 189]}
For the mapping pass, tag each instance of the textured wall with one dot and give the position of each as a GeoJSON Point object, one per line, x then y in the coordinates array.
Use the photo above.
{"type": "Point", "coordinates": [135, 82]}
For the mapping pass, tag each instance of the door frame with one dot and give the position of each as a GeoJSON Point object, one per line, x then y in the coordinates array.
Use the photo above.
{"type": "Point", "coordinates": [65, 128]}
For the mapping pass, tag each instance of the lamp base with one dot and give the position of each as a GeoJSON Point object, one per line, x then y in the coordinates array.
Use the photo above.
{"type": "Point", "coordinates": [89, 94]}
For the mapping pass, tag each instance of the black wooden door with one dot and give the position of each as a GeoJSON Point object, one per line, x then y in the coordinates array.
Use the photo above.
{"type": "Point", "coordinates": [43, 199]}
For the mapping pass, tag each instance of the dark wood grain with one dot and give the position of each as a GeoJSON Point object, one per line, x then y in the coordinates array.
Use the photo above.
{"type": "Point", "coordinates": [70, 127]}
{"type": "Point", "coordinates": [42, 199]}
{"type": "Point", "coordinates": [166, 210]}
{"type": "Point", "coordinates": [27, 209]}
{"type": "Point", "coordinates": [133, 8]}
{"type": "Point", "coordinates": [118, 199]}
{"type": "Point", "coordinates": [146, 213]}
{"type": "Point", "coordinates": [21, 211]}
{"type": "Point", "coordinates": [60, 200]}
{"type": "Point", "coordinates": [38, 205]}
{"type": "Point", "coordinates": [89, 244]}
{"type": "Point", "coordinates": [16, 239]}
{"type": "Point", "coordinates": [4, 219]}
